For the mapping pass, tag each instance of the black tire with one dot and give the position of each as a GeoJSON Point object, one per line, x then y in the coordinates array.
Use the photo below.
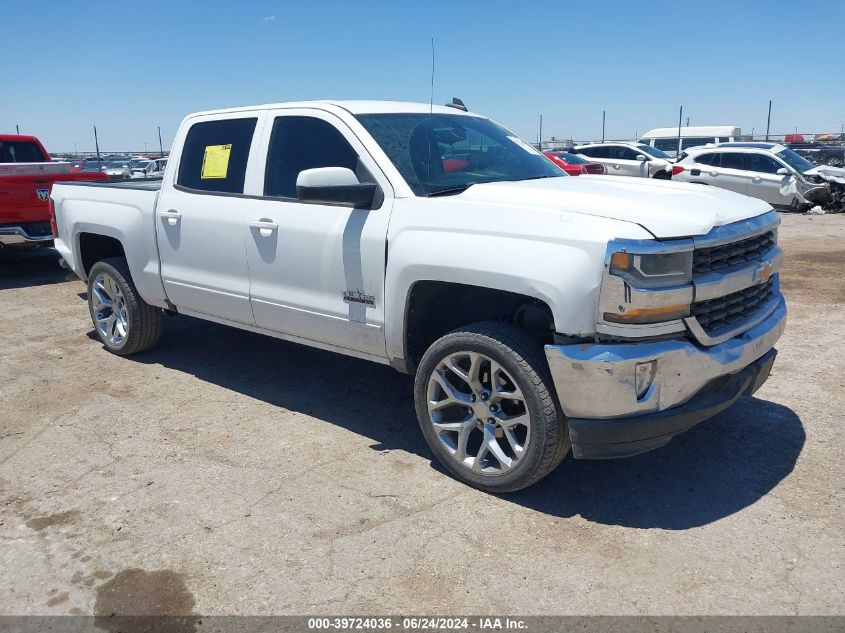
{"type": "Point", "coordinates": [143, 320]}
{"type": "Point", "coordinates": [523, 360]}
{"type": "Point", "coordinates": [662, 175]}
{"type": "Point", "coordinates": [834, 161]}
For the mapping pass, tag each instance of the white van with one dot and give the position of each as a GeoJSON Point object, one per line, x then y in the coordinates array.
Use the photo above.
{"type": "Point", "coordinates": [666, 138]}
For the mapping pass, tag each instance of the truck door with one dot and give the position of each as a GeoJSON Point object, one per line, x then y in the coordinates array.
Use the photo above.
{"type": "Point", "coordinates": [201, 218]}
{"type": "Point", "coordinates": [317, 270]}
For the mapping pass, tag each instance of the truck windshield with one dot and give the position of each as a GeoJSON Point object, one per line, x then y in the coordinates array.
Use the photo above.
{"type": "Point", "coordinates": [445, 153]}
{"type": "Point", "coordinates": [21, 152]}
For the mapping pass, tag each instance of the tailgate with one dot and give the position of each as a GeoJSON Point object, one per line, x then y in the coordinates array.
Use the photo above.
{"type": "Point", "coordinates": [23, 197]}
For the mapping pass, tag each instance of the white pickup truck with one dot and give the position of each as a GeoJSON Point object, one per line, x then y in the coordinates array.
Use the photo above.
{"type": "Point", "coordinates": [538, 312]}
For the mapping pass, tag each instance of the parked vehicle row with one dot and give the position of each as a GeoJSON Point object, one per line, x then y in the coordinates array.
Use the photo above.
{"type": "Point", "coordinates": [539, 313]}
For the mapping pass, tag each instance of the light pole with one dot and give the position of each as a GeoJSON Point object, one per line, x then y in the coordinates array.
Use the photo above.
{"type": "Point", "coordinates": [75, 152]}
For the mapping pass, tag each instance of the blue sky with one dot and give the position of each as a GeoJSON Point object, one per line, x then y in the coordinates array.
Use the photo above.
{"type": "Point", "coordinates": [130, 66]}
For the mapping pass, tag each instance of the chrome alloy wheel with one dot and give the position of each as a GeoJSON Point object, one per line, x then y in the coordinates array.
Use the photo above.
{"type": "Point", "coordinates": [478, 412]}
{"type": "Point", "coordinates": [109, 308]}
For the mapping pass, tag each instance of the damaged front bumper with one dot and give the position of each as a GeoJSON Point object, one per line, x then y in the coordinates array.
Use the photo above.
{"type": "Point", "coordinates": [598, 389]}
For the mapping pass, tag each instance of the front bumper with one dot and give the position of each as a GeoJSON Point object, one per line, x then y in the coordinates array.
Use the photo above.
{"type": "Point", "coordinates": [596, 386]}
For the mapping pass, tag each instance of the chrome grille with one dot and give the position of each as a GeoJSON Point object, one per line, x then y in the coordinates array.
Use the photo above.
{"type": "Point", "coordinates": [715, 314]}
{"type": "Point", "coordinates": [716, 258]}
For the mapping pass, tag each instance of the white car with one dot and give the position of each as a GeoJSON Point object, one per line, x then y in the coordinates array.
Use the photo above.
{"type": "Point", "coordinates": [767, 171]}
{"type": "Point", "coordinates": [666, 138]}
{"type": "Point", "coordinates": [117, 170]}
{"type": "Point", "coordinates": [539, 313]}
{"type": "Point", "coordinates": [149, 168]}
{"type": "Point", "coordinates": [628, 159]}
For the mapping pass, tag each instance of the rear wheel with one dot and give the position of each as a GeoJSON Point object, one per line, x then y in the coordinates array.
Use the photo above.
{"type": "Point", "coordinates": [835, 161]}
{"type": "Point", "coordinates": [486, 409]}
{"type": "Point", "coordinates": [124, 322]}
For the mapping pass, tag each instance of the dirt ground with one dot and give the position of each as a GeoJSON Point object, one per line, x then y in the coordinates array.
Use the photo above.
{"type": "Point", "coordinates": [229, 473]}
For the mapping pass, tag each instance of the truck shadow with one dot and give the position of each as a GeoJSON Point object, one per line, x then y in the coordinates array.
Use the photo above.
{"type": "Point", "coordinates": [718, 468]}
{"type": "Point", "coordinates": [25, 268]}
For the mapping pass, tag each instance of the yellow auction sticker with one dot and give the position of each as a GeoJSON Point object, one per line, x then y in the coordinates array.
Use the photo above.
{"type": "Point", "coordinates": [215, 161]}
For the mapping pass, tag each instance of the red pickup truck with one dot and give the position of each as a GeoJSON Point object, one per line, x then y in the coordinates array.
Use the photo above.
{"type": "Point", "coordinates": [27, 174]}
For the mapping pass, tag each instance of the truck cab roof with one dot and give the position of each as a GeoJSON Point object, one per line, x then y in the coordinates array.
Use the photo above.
{"type": "Point", "coordinates": [352, 106]}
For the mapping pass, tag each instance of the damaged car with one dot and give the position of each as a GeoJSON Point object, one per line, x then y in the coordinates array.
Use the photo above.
{"type": "Point", "coordinates": [769, 171]}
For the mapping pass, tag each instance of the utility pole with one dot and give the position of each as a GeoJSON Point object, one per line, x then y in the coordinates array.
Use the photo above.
{"type": "Point", "coordinates": [160, 146]}
{"type": "Point", "coordinates": [97, 147]}
{"type": "Point", "coordinates": [540, 140]}
{"type": "Point", "coordinates": [17, 129]}
{"type": "Point", "coordinates": [687, 121]}
{"type": "Point", "coordinates": [680, 120]}
{"type": "Point", "coordinates": [769, 120]}
{"type": "Point", "coordinates": [603, 113]}
{"type": "Point", "coordinates": [75, 151]}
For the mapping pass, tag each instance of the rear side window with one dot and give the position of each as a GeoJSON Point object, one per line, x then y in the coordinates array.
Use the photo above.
{"type": "Point", "coordinates": [215, 155]}
{"type": "Point", "coordinates": [594, 152]}
{"type": "Point", "coordinates": [20, 152]}
{"type": "Point", "coordinates": [707, 159]}
{"type": "Point", "coordinates": [695, 142]}
{"type": "Point", "coordinates": [666, 144]}
{"type": "Point", "coordinates": [302, 142]}
{"type": "Point", "coordinates": [733, 160]}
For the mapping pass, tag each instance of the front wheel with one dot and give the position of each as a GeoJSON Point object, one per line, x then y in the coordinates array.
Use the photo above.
{"type": "Point", "coordinates": [124, 322]}
{"type": "Point", "coordinates": [486, 408]}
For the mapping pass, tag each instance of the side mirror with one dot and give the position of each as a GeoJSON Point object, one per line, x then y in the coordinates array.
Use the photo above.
{"type": "Point", "coordinates": [334, 185]}
{"type": "Point", "coordinates": [641, 158]}
{"type": "Point", "coordinates": [783, 171]}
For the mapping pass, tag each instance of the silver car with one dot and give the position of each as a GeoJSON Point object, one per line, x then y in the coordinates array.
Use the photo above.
{"type": "Point", "coordinates": [768, 171]}
{"type": "Point", "coordinates": [628, 159]}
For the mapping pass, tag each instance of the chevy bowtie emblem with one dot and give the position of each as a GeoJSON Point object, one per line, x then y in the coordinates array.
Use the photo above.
{"type": "Point", "coordinates": [43, 194]}
{"type": "Point", "coordinates": [765, 271]}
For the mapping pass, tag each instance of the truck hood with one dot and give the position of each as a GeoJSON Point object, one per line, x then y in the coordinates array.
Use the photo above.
{"type": "Point", "coordinates": [665, 209]}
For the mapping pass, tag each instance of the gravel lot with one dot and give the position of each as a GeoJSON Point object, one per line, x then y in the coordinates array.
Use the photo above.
{"type": "Point", "coordinates": [229, 473]}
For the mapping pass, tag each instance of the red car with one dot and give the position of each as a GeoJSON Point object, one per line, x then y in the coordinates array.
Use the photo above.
{"type": "Point", "coordinates": [574, 165]}
{"type": "Point", "coordinates": [27, 175]}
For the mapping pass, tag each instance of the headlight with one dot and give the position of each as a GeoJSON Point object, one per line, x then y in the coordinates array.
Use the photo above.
{"type": "Point", "coordinates": [643, 288]}
{"type": "Point", "coordinates": [653, 270]}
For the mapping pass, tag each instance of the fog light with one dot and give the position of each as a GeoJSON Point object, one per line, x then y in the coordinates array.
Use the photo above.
{"type": "Point", "coordinates": [644, 376]}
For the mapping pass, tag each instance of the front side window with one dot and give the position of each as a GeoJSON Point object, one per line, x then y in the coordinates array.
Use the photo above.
{"type": "Point", "coordinates": [298, 143]}
{"type": "Point", "coordinates": [215, 154]}
{"type": "Point", "coordinates": [446, 153]}
{"type": "Point", "coordinates": [763, 163]}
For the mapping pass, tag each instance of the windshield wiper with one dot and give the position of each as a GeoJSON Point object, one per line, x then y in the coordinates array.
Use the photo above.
{"type": "Point", "coordinates": [535, 178]}
{"type": "Point", "coordinates": [450, 191]}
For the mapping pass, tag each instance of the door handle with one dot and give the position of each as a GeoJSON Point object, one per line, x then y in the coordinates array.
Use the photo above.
{"type": "Point", "coordinates": [757, 179]}
{"type": "Point", "coordinates": [616, 167]}
{"type": "Point", "coordinates": [714, 173]}
{"type": "Point", "coordinates": [265, 227]}
{"type": "Point", "coordinates": [172, 216]}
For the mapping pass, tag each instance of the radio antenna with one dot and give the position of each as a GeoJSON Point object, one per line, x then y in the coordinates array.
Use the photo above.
{"type": "Point", "coordinates": [430, 115]}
